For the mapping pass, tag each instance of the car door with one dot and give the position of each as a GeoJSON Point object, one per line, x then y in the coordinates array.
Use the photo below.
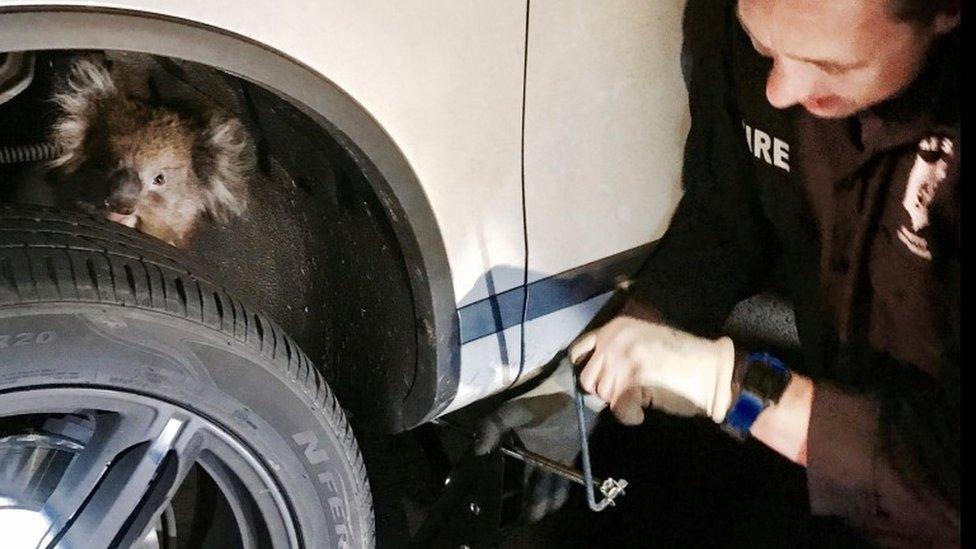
{"type": "Point", "coordinates": [605, 123]}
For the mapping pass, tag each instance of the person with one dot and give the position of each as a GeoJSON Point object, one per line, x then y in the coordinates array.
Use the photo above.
{"type": "Point", "coordinates": [824, 151]}
{"type": "Point", "coordinates": [824, 138]}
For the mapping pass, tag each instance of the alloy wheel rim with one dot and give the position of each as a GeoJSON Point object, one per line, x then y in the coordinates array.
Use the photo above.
{"type": "Point", "coordinates": [104, 466]}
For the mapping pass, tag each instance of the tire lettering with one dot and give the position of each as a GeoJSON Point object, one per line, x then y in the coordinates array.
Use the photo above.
{"type": "Point", "coordinates": [313, 454]}
{"type": "Point", "coordinates": [329, 481]}
{"type": "Point", "coordinates": [336, 501]}
{"type": "Point", "coordinates": [343, 534]}
{"type": "Point", "coordinates": [26, 338]}
{"type": "Point", "coordinates": [335, 504]}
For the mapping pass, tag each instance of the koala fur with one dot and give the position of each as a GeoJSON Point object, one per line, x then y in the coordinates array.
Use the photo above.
{"type": "Point", "coordinates": [157, 168]}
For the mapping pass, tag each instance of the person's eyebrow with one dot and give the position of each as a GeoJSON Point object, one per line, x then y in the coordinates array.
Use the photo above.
{"type": "Point", "coordinates": [823, 63]}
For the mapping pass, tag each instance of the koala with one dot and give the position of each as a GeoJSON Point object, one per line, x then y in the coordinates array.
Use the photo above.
{"type": "Point", "coordinates": [157, 168]}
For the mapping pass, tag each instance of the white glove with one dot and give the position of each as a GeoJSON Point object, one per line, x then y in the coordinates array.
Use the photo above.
{"type": "Point", "coordinates": [636, 363]}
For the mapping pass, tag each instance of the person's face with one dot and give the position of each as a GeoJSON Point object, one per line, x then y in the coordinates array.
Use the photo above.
{"type": "Point", "coordinates": [837, 57]}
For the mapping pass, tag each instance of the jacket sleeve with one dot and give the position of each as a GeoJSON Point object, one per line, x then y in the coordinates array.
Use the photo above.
{"type": "Point", "coordinates": [887, 465]}
{"type": "Point", "coordinates": [719, 242]}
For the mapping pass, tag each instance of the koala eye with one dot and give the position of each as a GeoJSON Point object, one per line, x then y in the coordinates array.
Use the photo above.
{"type": "Point", "coordinates": [159, 179]}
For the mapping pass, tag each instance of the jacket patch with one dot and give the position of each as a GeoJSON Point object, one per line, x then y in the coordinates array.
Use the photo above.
{"type": "Point", "coordinates": [928, 172]}
{"type": "Point", "coordinates": [771, 150]}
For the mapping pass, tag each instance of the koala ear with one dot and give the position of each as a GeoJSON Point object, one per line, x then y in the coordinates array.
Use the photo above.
{"type": "Point", "coordinates": [87, 85]}
{"type": "Point", "coordinates": [224, 161]}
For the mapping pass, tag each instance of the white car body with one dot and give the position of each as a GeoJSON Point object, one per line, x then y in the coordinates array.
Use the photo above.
{"type": "Point", "coordinates": [545, 135]}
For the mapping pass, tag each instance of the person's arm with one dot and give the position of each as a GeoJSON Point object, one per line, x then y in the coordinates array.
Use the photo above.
{"type": "Point", "coordinates": [784, 425]}
{"type": "Point", "coordinates": [851, 474]}
{"type": "Point", "coordinates": [890, 478]}
{"type": "Point", "coordinates": [885, 460]}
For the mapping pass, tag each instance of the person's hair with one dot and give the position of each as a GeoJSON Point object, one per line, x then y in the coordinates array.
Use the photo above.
{"type": "Point", "coordinates": [920, 12]}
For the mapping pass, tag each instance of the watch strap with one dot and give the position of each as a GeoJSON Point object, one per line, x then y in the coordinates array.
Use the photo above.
{"type": "Point", "coordinates": [749, 401]}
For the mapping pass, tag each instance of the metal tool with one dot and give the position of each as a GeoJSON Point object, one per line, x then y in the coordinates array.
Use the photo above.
{"type": "Point", "coordinates": [609, 488]}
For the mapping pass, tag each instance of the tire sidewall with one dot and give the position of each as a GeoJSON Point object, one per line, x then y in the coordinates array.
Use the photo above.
{"type": "Point", "coordinates": [256, 398]}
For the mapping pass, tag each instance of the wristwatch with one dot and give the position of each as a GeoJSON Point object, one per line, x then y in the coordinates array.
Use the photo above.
{"type": "Point", "coordinates": [763, 380]}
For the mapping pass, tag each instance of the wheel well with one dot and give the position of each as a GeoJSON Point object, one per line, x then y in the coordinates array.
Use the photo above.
{"type": "Point", "coordinates": [340, 215]}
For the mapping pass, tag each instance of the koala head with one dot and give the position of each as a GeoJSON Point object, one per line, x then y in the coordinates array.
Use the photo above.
{"type": "Point", "coordinates": [160, 169]}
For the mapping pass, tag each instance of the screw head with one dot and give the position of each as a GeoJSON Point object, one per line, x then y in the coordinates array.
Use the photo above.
{"type": "Point", "coordinates": [475, 508]}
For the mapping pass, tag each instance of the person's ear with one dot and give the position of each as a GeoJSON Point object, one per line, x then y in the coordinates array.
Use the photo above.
{"type": "Point", "coordinates": [947, 19]}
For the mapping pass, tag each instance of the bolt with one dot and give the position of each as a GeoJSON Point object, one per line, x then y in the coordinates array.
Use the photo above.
{"type": "Point", "coordinates": [475, 508]}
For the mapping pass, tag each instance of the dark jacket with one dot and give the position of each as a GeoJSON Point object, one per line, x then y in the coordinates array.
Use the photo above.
{"type": "Point", "coordinates": [861, 219]}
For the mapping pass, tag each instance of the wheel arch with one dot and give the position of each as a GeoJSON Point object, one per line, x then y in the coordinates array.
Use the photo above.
{"type": "Point", "coordinates": [375, 153]}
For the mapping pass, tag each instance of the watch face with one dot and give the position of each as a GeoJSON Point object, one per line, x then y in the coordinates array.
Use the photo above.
{"type": "Point", "coordinates": [765, 380]}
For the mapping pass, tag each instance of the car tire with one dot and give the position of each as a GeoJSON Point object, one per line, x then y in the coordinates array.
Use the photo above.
{"type": "Point", "coordinates": [104, 328]}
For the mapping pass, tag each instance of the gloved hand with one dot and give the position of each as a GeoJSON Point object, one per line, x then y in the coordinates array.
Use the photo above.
{"type": "Point", "coordinates": [545, 421]}
{"type": "Point", "coordinates": [637, 362]}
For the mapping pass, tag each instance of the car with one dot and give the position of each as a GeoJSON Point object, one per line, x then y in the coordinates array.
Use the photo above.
{"type": "Point", "coordinates": [448, 193]}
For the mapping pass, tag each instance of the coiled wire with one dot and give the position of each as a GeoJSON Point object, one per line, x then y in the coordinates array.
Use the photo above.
{"type": "Point", "coordinates": [36, 152]}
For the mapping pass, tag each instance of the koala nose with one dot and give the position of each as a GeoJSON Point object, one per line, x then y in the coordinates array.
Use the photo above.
{"type": "Point", "coordinates": [124, 188]}
{"type": "Point", "coordinates": [119, 208]}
